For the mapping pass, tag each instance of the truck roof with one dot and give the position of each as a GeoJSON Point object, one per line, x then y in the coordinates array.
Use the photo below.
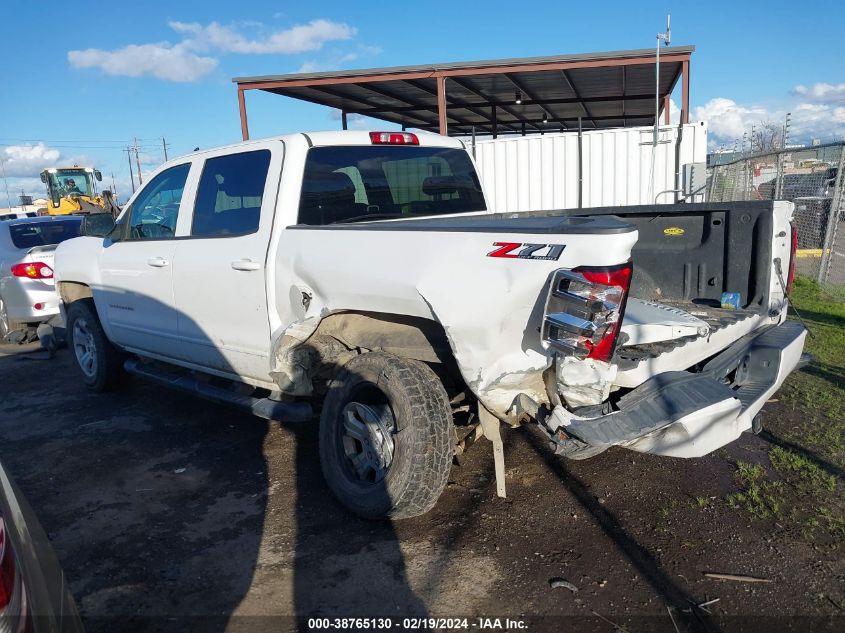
{"type": "Point", "coordinates": [341, 137]}
{"type": "Point", "coordinates": [63, 167]}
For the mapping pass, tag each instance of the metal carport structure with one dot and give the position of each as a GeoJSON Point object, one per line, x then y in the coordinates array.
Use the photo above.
{"type": "Point", "coordinates": [516, 96]}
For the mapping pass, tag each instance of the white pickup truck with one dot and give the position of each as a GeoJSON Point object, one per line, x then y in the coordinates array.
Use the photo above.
{"type": "Point", "coordinates": [364, 271]}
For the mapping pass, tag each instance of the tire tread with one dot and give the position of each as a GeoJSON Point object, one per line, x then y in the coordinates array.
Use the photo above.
{"type": "Point", "coordinates": [110, 372]}
{"type": "Point", "coordinates": [429, 432]}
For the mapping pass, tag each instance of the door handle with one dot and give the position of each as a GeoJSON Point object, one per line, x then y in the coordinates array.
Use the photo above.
{"type": "Point", "coordinates": [245, 264]}
{"type": "Point", "coordinates": [157, 262]}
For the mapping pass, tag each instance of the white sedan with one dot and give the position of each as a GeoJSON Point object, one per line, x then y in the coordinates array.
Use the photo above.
{"type": "Point", "coordinates": [27, 288]}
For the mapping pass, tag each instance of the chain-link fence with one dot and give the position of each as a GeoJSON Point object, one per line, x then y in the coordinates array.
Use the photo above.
{"type": "Point", "coordinates": [811, 177]}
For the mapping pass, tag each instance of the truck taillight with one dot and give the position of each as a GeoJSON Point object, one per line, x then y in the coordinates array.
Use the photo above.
{"type": "Point", "coordinates": [394, 138]}
{"type": "Point", "coordinates": [584, 310]}
{"type": "Point", "coordinates": [33, 270]}
{"type": "Point", "coordinates": [790, 277]}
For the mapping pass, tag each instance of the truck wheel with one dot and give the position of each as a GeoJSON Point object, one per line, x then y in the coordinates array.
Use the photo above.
{"type": "Point", "coordinates": [99, 362]}
{"type": "Point", "coordinates": [385, 437]}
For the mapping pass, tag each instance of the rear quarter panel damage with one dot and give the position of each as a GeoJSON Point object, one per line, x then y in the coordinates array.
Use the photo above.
{"type": "Point", "coordinates": [490, 307]}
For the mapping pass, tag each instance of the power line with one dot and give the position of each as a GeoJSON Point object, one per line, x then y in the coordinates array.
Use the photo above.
{"type": "Point", "coordinates": [87, 140]}
{"type": "Point", "coordinates": [149, 146]}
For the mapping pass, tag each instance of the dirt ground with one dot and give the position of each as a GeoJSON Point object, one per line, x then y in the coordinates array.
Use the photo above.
{"type": "Point", "coordinates": [169, 513]}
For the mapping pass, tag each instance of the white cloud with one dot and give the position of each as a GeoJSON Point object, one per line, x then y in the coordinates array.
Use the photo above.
{"type": "Point", "coordinates": [163, 60]}
{"type": "Point", "coordinates": [297, 39]}
{"type": "Point", "coordinates": [21, 166]}
{"type": "Point", "coordinates": [311, 66]}
{"type": "Point", "coordinates": [674, 112]}
{"type": "Point", "coordinates": [154, 159]}
{"type": "Point", "coordinates": [822, 93]}
{"type": "Point", "coordinates": [337, 60]}
{"type": "Point", "coordinates": [189, 59]}
{"type": "Point", "coordinates": [817, 111]}
{"type": "Point", "coordinates": [821, 121]}
{"type": "Point", "coordinates": [30, 186]}
{"type": "Point", "coordinates": [353, 120]}
{"type": "Point", "coordinates": [21, 161]}
{"type": "Point", "coordinates": [727, 119]}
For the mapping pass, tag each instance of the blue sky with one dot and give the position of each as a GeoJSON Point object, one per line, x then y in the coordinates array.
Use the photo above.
{"type": "Point", "coordinates": [81, 80]}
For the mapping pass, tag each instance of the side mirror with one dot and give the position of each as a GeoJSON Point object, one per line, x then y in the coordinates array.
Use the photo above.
{"type": "Point", "coordinates": [98, 175]}
{"type": "Point", "coordinates": [44, 176]}
{"type": "Point", "coordinates": [97, 224]}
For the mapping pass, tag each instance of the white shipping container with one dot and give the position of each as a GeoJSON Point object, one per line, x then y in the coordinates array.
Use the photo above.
{"type": "Point", "coordinates": [536, 172]}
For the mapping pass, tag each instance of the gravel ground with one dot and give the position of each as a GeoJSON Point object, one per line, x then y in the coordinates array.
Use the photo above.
{"type": "Point", "coordinates": [169, 513]}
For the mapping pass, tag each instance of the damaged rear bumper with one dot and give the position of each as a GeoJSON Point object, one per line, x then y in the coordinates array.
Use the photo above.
{"type": "Point", "coordinates": [685, 414]}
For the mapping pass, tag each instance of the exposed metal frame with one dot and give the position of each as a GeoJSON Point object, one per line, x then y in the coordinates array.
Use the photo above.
{"type": "Point", "coordinates": [411, 113]}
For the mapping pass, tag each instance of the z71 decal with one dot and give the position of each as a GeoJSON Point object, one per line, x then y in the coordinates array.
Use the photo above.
{"type": "Point", "coordinates": [517, 250]}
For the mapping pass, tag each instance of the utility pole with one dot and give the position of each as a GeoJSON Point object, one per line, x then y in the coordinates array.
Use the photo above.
{"type": "Point", "coordinates": [131, 175]}
{"type": "Point", "coordinates": [138, 163]}
{"type": "Point", "coordinates": [786, 130]}
{"type": "Point", "coordinates": [6, 183]}
{"type": "Point", "coordinates": [164, 147]}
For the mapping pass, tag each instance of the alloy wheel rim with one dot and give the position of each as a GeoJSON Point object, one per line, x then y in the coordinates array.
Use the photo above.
{"type": "Point", "coordinates": [4, 322]}
{"type": "Point", "coordinates": [84, 348]}
{"type": "Point", "coordinates": [367, 440]}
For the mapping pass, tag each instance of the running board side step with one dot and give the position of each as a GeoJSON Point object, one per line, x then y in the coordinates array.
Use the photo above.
{"type": "Point", "coordinates": [266, 408]}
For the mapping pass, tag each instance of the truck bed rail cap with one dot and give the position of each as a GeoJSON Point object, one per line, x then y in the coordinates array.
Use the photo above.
{"type": "Point", "coordinates": [497, 223]}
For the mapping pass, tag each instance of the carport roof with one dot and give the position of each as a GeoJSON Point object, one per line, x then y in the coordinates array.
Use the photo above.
{"type": "Point", "coordinates": [530, 94]}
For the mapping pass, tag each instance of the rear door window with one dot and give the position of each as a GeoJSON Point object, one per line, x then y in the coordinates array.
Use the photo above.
{"type": "Point", "coordinates": [31, 234]}
{"type": "Point", "coordinates": [230, 194]}
{"type": "Point", "coordinates": [344, 184]}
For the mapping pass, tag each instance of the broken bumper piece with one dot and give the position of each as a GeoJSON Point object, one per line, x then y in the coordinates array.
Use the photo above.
{"type": "Point", "coordinates": [685, 414]}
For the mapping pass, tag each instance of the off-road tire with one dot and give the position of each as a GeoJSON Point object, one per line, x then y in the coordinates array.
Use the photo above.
{"type": "Point", "coordinates": [423, 439]}
{"type": "Point", "coordinates": [109, 373]}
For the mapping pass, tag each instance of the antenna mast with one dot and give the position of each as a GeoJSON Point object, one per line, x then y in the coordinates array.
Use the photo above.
{"type": "Point", "coordinates": [666, 38]}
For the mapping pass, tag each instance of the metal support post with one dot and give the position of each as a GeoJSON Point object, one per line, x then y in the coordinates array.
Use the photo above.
{"type": "Point", "coordinates": [832, 220]}
{"type": "Point", "coordinates": [491, 425]}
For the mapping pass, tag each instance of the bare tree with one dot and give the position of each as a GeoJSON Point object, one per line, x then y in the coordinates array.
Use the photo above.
{"type": "Point", "coordinates": [766, 137]}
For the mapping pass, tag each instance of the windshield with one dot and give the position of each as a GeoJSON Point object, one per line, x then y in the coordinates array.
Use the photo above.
{"type": "Point", "coordinates": [67, 182]}
{"type": "Point", "coordinates": [30, 234]}
{"type": "Point", "coordinates": [343, 184]}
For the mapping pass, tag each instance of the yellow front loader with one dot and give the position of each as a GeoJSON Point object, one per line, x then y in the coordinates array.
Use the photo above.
{"type": "Point", "coordinates": [73, 190]}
